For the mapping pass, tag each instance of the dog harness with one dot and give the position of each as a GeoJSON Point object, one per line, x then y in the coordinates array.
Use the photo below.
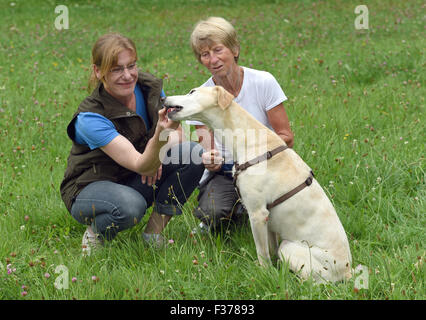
{"type": "Point", "coordinates": [266, 156]}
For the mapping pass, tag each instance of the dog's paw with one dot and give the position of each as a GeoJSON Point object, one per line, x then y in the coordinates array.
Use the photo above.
{"type": "Point", "coordinates": [265, 263]}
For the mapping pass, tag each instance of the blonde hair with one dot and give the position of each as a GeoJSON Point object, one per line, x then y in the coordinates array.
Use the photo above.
{"type": "Point", "coordinates": [214, 30]}
{"type": "Point", "coordinates": [105, 54]}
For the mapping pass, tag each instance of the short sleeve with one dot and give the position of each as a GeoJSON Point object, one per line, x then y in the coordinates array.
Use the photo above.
{"type": "Point", "coordinates": [273, 94]}
{"type": "Point", "coordinates": [194, 123]}
{"type": "Point", "coordinates": [94, 130]}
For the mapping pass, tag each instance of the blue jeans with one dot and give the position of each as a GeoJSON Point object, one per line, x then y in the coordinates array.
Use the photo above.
{"type": "Point", "coordinates": [111, 207]}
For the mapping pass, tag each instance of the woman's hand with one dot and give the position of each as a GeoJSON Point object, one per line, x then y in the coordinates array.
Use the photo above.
{"type": "Point", "coordinates": [153, 179]}
{"type": "Point", "coordinates": [212, 160]}
{"type": "Point", "coordinates": [164, 122]}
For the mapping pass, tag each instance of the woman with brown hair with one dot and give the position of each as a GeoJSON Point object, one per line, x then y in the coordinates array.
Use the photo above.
{"type": "Point", "coordinates": [114, 170]}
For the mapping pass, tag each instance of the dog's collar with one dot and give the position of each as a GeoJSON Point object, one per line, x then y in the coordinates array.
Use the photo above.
{"type": "Point", "coordinates": [291, 193]}
{"type": "Point", "coordinates": [266, 156]}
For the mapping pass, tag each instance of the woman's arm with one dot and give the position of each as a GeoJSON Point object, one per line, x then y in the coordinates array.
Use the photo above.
{"type": "Point", "coordinates": [211, 158]}
{"type": "Point", "coordinates": [205, 137]}
{"type": "Point", "coordinates": [278, 119]}
{"type": "Point", "coordinates": [147, 163]}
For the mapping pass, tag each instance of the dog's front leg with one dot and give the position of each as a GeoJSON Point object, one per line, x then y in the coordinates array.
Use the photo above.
{"type": "Point", "coordinates": [259, 228]}
{"type": "Point", "coordinates": [273, 243]}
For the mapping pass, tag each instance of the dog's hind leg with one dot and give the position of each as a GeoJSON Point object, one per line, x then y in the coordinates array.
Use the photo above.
{"type": "Point", "coordinates": [305, 260]}
{"type": "Point", "coordinates": [259, 228]}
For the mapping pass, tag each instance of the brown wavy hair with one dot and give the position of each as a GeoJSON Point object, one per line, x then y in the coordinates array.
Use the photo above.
{"type": "Point", "coordinates": [105, 55]}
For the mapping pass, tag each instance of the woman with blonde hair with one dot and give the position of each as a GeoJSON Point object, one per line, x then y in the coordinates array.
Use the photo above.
{"type": "Point", "coordinates": [114, 170]}
{"type": "Point", "coordinates": [215, 44]}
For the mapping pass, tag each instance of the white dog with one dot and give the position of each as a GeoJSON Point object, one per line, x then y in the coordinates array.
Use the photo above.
{"type": "Point", "coordinates": [313, 241]}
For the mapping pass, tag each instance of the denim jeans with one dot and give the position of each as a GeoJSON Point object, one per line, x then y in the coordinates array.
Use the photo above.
{"type": "Point", "coordinates": [111, 207]}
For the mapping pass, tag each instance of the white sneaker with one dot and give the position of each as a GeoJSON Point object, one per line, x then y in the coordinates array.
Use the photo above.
{"type": "Point", "coordinates": [154, 239]}
{"type": "Point", "coordinates": [90, 242]}
{"type": "Point", "coordinates": [202, 228]}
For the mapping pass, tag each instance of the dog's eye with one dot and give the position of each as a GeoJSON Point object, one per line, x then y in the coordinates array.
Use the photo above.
{"type": "Point", "coordinates": [192, 91]}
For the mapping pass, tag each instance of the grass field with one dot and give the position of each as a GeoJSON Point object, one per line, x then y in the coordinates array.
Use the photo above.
{"type": "Point", "coordinates": [356, 105]}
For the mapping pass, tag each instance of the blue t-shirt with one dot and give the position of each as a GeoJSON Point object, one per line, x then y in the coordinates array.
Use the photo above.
{"type": "Point", "coordinates": [95, 131]}
{"type": "Point", "coordinates": [141, 107]}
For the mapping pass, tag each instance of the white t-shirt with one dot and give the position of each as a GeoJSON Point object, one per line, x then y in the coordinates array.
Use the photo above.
{"type": "Point", "coordinates": [259, 93]}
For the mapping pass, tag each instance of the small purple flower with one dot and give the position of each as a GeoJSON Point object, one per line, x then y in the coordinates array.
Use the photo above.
{"type": "Point", "coordinates": [47, 275]}
{"type": "Point", "coordinates": [9, 268]}
{"type": "Point", "coordinates": [74, 279]}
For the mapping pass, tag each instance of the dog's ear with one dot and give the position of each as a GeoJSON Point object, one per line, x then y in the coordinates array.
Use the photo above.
{"type": "Point", "coordinates": [224, 98]}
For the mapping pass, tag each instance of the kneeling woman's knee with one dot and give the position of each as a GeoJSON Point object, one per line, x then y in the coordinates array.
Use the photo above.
{"type": "Point", "coordinates": [211, 212]}
{"type": "Point", "coordinates": [132, 209]}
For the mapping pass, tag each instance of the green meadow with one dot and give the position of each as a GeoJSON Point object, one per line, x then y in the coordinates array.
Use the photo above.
{"type": "Point", "coordinates": [356, 106]}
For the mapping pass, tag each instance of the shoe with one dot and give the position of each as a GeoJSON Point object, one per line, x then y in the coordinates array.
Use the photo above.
{"type": "Point", "coordinates": [90, 242]}
{"type": "Point", "coordinates": [154, 239]}
{"type": "Point", "coordinates": [202, 228]}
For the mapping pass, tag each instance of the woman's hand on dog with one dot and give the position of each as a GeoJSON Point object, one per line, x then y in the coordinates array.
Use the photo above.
{"type": "Point", "coordinates": [164, 122]}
